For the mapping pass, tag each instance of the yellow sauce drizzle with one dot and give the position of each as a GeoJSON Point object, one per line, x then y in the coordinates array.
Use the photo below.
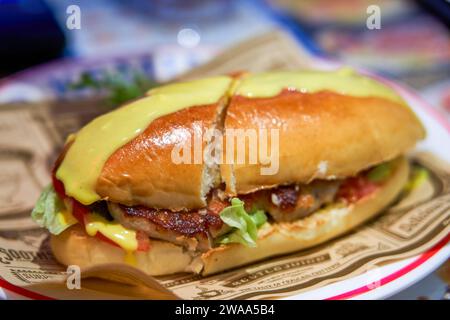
{"type": "Point", "coordinates": [343, 81]}
{"type": "Point", "coordinates": [99, 139]}
{"type": "Point", "coordinates": [114, 231]}
{"type": "Point", "coordinates": [65, 218]}
{"type": "Point", "coordinates": [130, 258]}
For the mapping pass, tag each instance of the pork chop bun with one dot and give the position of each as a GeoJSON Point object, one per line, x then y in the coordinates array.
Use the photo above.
{"type": "Point", "coordinates": [207, 175]}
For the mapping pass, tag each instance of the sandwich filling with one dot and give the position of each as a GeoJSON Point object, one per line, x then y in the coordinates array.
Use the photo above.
{"type": "Point", "coordinates": [224, 220]}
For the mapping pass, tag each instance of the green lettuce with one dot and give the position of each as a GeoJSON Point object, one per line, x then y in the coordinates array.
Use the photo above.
{"type": "Point", "coordinates": [51, 213]}
{"type": "Point", "coordinates": [380, 173]}
{"type": "Point", "coordinates": [245, 226]}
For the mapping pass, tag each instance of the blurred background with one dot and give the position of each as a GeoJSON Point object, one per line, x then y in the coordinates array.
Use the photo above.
{"type": "Point", "coordinates": [164, 38]}
{"type": "Point", "coordinates": [57, 50]}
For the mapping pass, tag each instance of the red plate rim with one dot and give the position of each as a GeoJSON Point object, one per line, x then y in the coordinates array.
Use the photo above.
{"type": "Point", "coordinates": [395, 275]}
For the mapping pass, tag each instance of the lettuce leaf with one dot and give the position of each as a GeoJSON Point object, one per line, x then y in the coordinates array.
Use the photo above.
{"type": "Point", "coordinates": [245, 226]}
{"type": "Point", "coordinates": [51, 213]}
{"type": "Point", "coordinates": [380, 172]}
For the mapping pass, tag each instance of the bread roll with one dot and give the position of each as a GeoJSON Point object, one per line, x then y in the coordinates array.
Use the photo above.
{"type": "Point", "coordinates": [142, 171]}
{"type": "Point", "coordinates": [317, 125]}
{"type": "Point", "coordinates": [74, 246]}
{"type": "Point", "coordinates": [322, 135]}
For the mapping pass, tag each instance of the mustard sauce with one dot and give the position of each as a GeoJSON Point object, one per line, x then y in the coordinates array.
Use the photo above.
{"type": "Point", "coordinates": [98, 140]}
{"type": "Point", "coordinates": [344, 81]}
{"type": "Point", "coordinates": [65, 218]}
{"type": "Point", "coordinates": [114, 231]}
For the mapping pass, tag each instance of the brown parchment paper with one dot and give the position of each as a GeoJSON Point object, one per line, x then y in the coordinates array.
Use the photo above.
{"type": "Point", "coordinates": [32, 135]}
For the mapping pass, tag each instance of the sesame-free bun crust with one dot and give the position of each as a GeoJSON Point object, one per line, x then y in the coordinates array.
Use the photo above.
{"type": "Point", "coordinates": [75, 247]}
{"type": "Point", "coordinates": [321, 135]}
{"type": "Point", "coordinates": [143, 171]}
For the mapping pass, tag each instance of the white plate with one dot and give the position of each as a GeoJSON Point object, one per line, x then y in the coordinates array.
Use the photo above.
{"type": "Point", "coordinates": [387, 280]}
{"type": "Point", "coordinates": [392, 278]}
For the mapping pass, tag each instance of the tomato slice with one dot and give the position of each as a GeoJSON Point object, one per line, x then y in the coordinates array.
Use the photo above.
{"type": "Point", "coordinates": [58, 186]}
{"type": "Point", "coordinates": [143, 241]}
{"type": "Point", "coordinates": [100, 236]}
{"type": "Point", "coordinates": [355, 188]}
{"type": "Point", "coordinates": [80, 211]}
